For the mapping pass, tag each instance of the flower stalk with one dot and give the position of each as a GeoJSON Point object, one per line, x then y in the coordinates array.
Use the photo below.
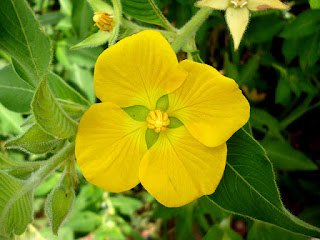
{"type": "Point", "coordinates": [190, 28]}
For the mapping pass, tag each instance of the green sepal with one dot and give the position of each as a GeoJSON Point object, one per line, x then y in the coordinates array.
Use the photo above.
{"type": "Point", "coordinates": [60, 202]}
{"type": "Point", "coordinates": [137, 112]}
{"type": "Point", "coordinates": [34, 140]}
{"type": "Point", "coordinates": [100, 6]}
{"type": "Point", "coordinates": [94, 40]}
{"type": "Point", "coordinates": [163, 103]}
{"type": "Point", "coordinates": [151, 137]}
{"type": "Point", "coordinates": [174, 123]}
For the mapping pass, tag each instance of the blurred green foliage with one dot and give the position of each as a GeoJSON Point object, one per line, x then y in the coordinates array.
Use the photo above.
{"type": "Point", "coordinates": [278, 68]}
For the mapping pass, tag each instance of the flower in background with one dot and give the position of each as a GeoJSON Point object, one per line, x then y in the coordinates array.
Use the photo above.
{"type": "Point", "coordinates": [162, 123]}
{"type": "Point", "coordinates": [237, 13]}
{"type": "Point", "coordinates": [107, 20]}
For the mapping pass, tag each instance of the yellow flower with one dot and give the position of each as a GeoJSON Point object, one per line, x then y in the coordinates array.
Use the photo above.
{"type": "Point", "coordinates": [185, 162]}
{"type": "Point", "coordinates": [237, 13]}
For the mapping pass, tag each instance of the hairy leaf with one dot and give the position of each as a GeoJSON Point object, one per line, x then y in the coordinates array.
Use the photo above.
{"type": "Point", "coordinates": [34, 140]}
{"type": "Point", "coordinates": [49, 115]}
{"type": "Point", "coordinates": [22, 37]}
{"type": "Point", "coordinates": [248, 187]}
{"type": "Point", "coordinates": [146, 11]}
{"type": "Point", "coordinates": [15, 205]}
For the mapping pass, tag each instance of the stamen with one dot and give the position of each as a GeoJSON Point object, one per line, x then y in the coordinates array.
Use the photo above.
{"type": "Point", "coordinates": [158, 121]}
{"type": "Point", "coordinates": [234, 3]}
{"type": "Point", "coordinates": [104, 21]}
{"type": "Point", "coordinates": [243, 4]}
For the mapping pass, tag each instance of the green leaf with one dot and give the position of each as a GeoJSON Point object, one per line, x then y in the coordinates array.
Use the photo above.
{"type": "Point", "coordinates": [285, 157]}
{"type": "Point", "coordinates": [15, 94]}
{"type": "Point", "coordinates": [163, 103]}
{"type": "Point", "coordinates": [265, 122]}
{"type": "Point", "coordinates": [9, 121]}
{"type": "Point", "coordinates": [34, 140]}
{"type": "Point", "coordinates": [83, 57]}
{"type": "Point", "coordinates": [307, 23]}
{"type": "Point", "coordinates": [249, 71]}
{"type": "Point", "coordinates": [283, 92]}
{"type": "Point", "coordinates": [69, 99]}
{"type": "Point", "coordinates": [22, 37]}
{"type": "Point", "coordinates": [15, 205]}
{"type": "Point", "coordinates": [264, 231]}
{"type": "Point", "coordinates": [94, 40]}
{"type": "Point", "coordinates": [314, 4]}
{"type": "Point", "coordinates": [309, 53]}
{"type": "Point", "coordinates": [264, 28]}
{"type": "Point", "coordinates": [126, 205]}
{"type": "Point", "coordinates": [81, 18]}
{"type": "Point", "coordinates": [137, 112]}
{"type": "Point", "coordinates": [145, 11]}
{"type": "Point", "coordinates": [83, 79]}
{"type": "Point", "coordinates": [248, 187]}
{"type": "Point", "coordinates": [59, 203]}
{"type": "Point", "coordinates": [50, 18]}
{"type": "Point", "coordinates": [49, 115]}
{"type": "Point", "coordinates": [222, 233]}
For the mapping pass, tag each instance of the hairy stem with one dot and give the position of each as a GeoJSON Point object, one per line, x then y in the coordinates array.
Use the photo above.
{"type": "Point", "coordinates": [190, 28]}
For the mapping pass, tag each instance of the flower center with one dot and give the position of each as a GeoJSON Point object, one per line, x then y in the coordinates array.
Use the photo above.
{"type": "Point", "coordinates": [103, 20]}
{"type": "Point", "coordinates": [158, 121]}
{"type": "Point", "coordinates": [238, 3]}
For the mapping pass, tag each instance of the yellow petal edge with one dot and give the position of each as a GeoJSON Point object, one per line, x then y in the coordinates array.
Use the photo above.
{"type": "Point", "coordinates": [211, 106]}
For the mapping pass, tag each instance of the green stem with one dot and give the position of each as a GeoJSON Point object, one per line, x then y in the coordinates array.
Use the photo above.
{"type": "Point", "coordinates": [298, 112]}
{"type": "Point", "coordinates": [190, 28]}
{"type": "Point", "coordinates": [49, 167]}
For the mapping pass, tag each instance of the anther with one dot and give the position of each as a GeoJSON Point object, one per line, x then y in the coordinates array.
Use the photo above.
{"type": "Point", "coordinates": [234, 3]}
{"type": "Point", "coordinates": [243, 4]}
{"type": "Point", "coordinates": [104, 21]}
{"type": "Point", "coordinates": [158, 121]}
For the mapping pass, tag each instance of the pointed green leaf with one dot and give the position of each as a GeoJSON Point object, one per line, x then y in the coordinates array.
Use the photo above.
{"type": "Point", "coordinates": [34, 140]}
{"type": "Point", "coordinates": [69, 99]}
{"type": "Point", "coordinates": [145, 11]}
{"type": "Point", "coordinates": [151, 137]}
{"type": "Point", "coordinates": [15, 205]}
{"type": "Point", "coordinates": [9, 121]}
{"type": "Point", "coordinates": [22, 37]}
{"type": "Point", "coordinates": [174, 123]}
{"type": "Point", "coordinates": [15, 94]}
{"type": "Point", "coordinates": [306, 23]}
{"type": "Point", "coordinates": [285, 157]}
{"type": "Point", "coordinates": [163, 103]}
{"type": "Point", "coordinates": [81, 17]}
{"type": "Point", "coordinates": [248, 187]}
{"type": "Point", "coordinates": [49, 114]}
{"type": "Point", "coordinates": [94, 40]}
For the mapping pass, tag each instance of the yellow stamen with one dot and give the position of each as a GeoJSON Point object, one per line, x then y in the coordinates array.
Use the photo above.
{"type": "Point", "coordinates": [104, 21]}
{"type": "Point", "coordinates": [158, 121]}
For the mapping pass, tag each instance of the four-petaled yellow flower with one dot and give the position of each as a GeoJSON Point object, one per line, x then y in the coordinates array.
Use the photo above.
{"type": "Point", "coordinates": [185, 162]}
{"type": "Point", "coordinates": [237, 13]}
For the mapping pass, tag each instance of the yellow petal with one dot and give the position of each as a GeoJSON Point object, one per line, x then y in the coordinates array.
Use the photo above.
{"type": "Point", "coordinates": [109, 147]}
{"type": "Point", "coordinates": [178, 169]}
{"type": "Point", "coordinates": [210, 105]}
{"type": "Point", "coordinates": [215, 4]}
{"type": "Point", "coordinates": [266, 4]}
{"type": "Point", "coordinates": [138, 70]}
{"type": "Point", "coordinates": [237, 20]}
